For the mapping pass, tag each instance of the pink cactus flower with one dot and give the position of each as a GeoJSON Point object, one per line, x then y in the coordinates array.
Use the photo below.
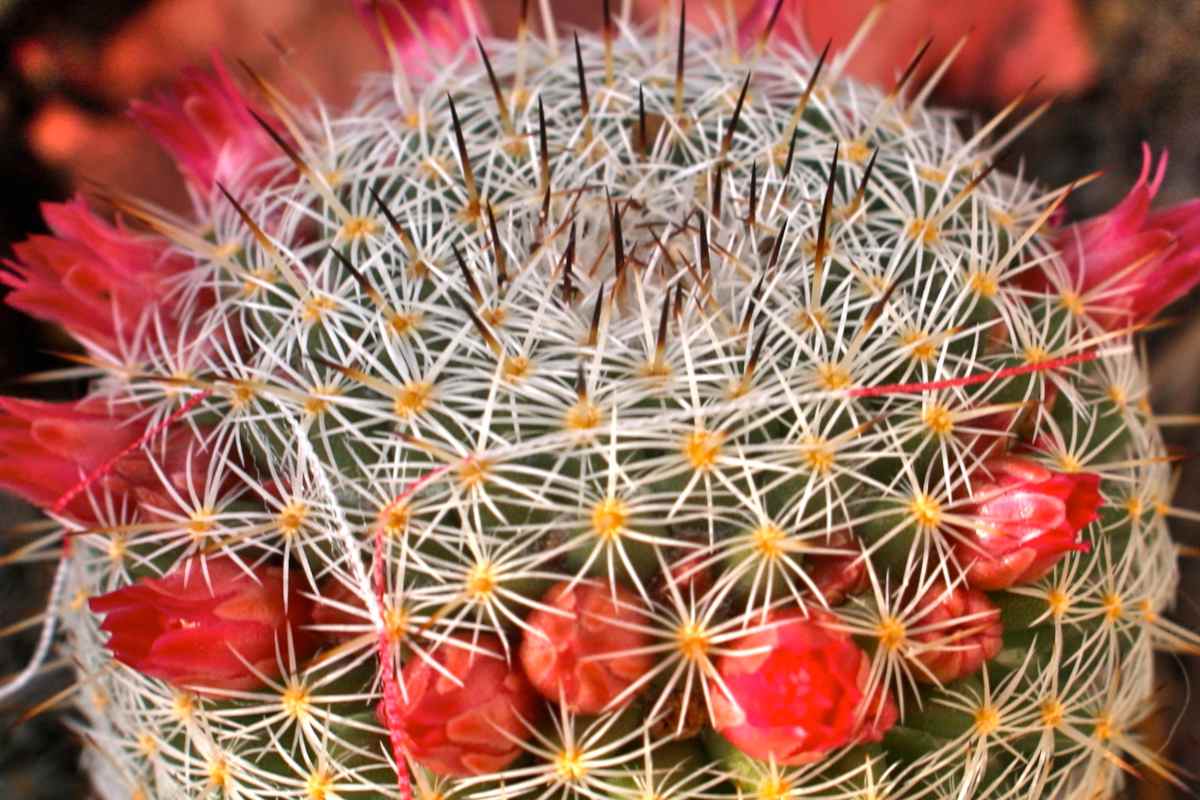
{"type": "Point", "coordinates": [207, 126]}
{"type": "Point", "coordinates": [95, 279]}
{"type": "Point", "coordinates": [47, 449]}
{"type": "Point", "coordinates": [958, 631]}
{"type": "Point", "coordinates": [209, 624]}
{"type": "Point", "coordinates": [472, 727]}
{"type": "Point", "coordinates": [1129, 263]}
{"type": "Point", "coordinates": [567, 662]}
{"type": "Point", "coordinates": [841, 570]}
{"type": "Point", "coordinates": [417, 29]}
{"type": "Point", "coordinates": [802, 696]}
{"type": "Point", "coordinates": [1012, 43]}
{"type": "Point", "coordinates": [1023, 519]}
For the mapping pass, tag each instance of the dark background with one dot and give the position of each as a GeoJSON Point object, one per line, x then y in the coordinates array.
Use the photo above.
{"type": "Point", "coordinates": [1149, 90]}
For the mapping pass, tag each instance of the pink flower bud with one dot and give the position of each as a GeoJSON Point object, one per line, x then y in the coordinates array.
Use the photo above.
{"type": "Point", "coordinates": [1024, 518]}
{"type": "Point", "coordinates": [958, 631]}
{"type": "Point", "coordinates": [48, 449]}
{"type": "Point", "coordinates": [207, 127]}
{"type": "Point", "coordinates": [840, 571]}
{"type": "Point", "coordinates": [209, 624]}
{"type": "Point", "coordinates": [95, 279]}
{"type": "Point", "coordinates": [471, 727]}
{"type": "Point", "coordinates": [1129, 263]}
{"type": "Point", "coordinates": [802, 696]}
{"type": "Point", "coordinates": [568, 662]}
{"type": "Point", "coordinates": [415, 28]}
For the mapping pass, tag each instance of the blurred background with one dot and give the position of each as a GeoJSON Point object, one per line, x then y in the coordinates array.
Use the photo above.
{"type": "Point", "coordinates": [1121, 72]}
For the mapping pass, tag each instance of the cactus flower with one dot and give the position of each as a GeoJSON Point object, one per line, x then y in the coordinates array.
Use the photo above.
{"type": "Point", "coordinates": [1130, 263]}
{"type": "Point", "coordinates": [959, 630]}
{"type": "Point", "coordinates": [208, 624]}
{"type": "Point", "coordinates": [47, 449]}
{"type": "Point", "coordinates": [1024, 518]}
{"type": "Point", "coordinates": [95, 279]}
{"type": "Point", "coordinates": [207, 126]}
{"type": "Point", "coordinates": [471, 727]}
{"type": "Point", "coordinates": [800, 694]}
{"type": "Point", "coordinates": [564, 650]}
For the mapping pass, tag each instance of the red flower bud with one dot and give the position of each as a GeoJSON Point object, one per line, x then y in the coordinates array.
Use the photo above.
{"type": "Point", "coordinates": [1024, 518]}
{"type": "Point", "coordinates": [47, 449]}
{"type": "Point", "coordinates": [97, 280]}
{"type": "Point", "coordinates": [802, 696]}
{"type": "Point", "coordinates": [470, 727]}
{"type": "Point", "coordinates": [840, 571]}
{"type": "Point", "coordinates": [568, 662]}
{"type": "Point", "coordinates": [209, 624]}
{"type": "Point", "coordinates": [957, 632]}
{"type": "Point", "coordinates": [207, 127]}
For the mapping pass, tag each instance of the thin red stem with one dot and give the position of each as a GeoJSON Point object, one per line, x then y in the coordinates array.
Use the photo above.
{"type": "Point", "coordinates": [392, 702]}
{"type": "Point", "coordinates": [969, 380]}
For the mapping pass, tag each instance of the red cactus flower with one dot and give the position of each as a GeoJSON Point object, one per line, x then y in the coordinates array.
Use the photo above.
{"type": "Point", "coordinates": [207, 625]}
{"type": "Point", "coordinates": [567, 662]}
{"type": "Point", "coordinates": [1012, 43]}
{"type": "Point", "coordinates": [1129, 264]}
{"type": "Point", "coordinates": [1024, 518]}
{"type": "Point", "coordinates": [471, 727]}
{"type": "Point", "coordinates": [47, 449]}
{"type": "Point", "coordinates": [959, 630]}
{"type": "Point", "coordinates": [415, 29]}
{"type": "Point", "coordinates": [840, 571]}
{"type": "Point", "coordinates": [97, 280]}
{"type": "Point", "coordinates": [800, 694]}
{"type": "Point", "coordinates": [207, 126]}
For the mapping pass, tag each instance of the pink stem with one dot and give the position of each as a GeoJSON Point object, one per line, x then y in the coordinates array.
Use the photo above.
{"type": "Point", "coordinates": [392, 702]}
{"type": "Point", "coordinates": [950, 383]}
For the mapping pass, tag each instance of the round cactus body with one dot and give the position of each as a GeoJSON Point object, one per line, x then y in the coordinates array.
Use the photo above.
{"type": "Point", "coordinates": [623, 418]}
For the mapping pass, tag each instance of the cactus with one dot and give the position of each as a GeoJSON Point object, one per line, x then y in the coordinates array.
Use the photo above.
{"type": "Point", "coordinates": [626, 417]}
